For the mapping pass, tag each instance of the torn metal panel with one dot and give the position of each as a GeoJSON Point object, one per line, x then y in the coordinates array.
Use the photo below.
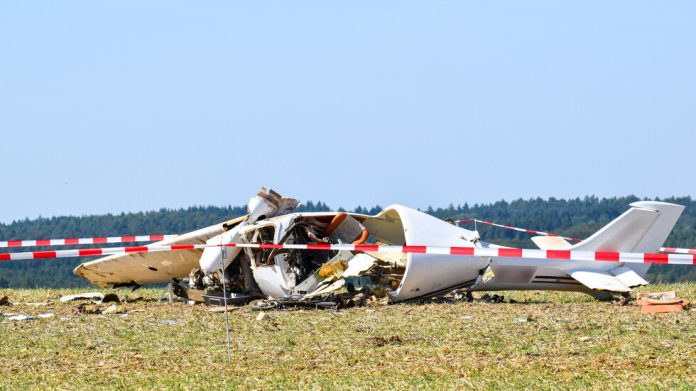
{"type": "Point", "coordinates": [93, 296]}
{"type": "Point", "coordinates": [396, 260]}
{"type": "Point", "coordinates": [358, 265]}
{"type": "Point", "coordinates": [326, 288]}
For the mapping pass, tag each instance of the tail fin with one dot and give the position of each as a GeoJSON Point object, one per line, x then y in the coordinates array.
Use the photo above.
{"type": "Point", "coordinates": [643, 228]}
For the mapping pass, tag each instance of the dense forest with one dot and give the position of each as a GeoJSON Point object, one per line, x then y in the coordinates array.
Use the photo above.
{"type": "Point", "coordinates": [578, 217]}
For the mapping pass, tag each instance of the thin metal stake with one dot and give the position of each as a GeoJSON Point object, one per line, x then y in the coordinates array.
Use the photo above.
{"type": "Point", "coordinates": [170, 292]}
{"type": "Point", "coordinates": [224, 293]}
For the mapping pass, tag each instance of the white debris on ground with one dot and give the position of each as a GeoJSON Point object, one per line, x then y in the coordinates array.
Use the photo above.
{"type": "Point", "coordinates": [20, 317]}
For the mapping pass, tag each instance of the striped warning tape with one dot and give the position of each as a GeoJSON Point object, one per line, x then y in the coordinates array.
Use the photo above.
{"type": "Point", "coordinates": [156, 238]}
{"type": "Point", "coordinates": [529, 231]}
{"type": "Point", "coordinates": [76, 241]}
{"type": "Point", "coordinates": [533, 232]}
{"type": "Point", "coordinates": [678, 250]}
{"type": "Point", "coordinates": [604, 256]}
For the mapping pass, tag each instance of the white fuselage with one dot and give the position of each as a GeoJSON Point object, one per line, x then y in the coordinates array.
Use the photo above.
{"type": "Point", "coordinates": [429, 274]}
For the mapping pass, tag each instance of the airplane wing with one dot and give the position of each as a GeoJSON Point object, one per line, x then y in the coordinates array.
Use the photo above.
{"type": "Point", "coordinates": [152, 268]}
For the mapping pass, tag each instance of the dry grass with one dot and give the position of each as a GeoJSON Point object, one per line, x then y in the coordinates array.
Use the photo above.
{"type": "Point", "coordinates": [571, 342]}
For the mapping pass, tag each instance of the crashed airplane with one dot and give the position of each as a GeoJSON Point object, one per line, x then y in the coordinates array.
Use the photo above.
{"type": "Point", "coordinates": [302, 275]}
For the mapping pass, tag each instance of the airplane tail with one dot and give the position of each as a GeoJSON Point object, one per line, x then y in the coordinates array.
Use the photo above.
{"type": "Point", "coordinates": [643, 228]}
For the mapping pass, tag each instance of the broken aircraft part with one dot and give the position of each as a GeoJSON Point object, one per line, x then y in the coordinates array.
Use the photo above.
{"type": "Point", "coordinates": [661, 302]}
{"type": "Point", "coordinates": [297, 275]}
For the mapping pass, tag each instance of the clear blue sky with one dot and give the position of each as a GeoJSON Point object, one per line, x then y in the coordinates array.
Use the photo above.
{"type": "Point", "coordinates": [110, 106]}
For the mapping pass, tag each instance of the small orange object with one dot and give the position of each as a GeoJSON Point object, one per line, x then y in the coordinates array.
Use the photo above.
{"type": "Point", "coordinates": [653, 303]}
{"type": "Point", "coordinates": [333, 269]}
{"type": "Point", "coordinates": [335, 222]}
{"type": "Point", "coordinates": [362, 237]}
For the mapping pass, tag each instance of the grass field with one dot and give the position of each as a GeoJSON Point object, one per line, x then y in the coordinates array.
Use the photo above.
{"type": "Point", "coordinates": [571, 341]}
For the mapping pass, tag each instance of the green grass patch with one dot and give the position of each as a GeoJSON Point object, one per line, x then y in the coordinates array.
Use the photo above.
{"type": "Point", "coordinates": [572, 341]}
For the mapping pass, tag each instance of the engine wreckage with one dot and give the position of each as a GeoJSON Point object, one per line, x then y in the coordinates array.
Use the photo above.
{"type": "Point", "coordinates": [328, 278]}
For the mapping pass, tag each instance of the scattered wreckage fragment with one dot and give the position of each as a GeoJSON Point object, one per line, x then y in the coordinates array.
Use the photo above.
{"type": "Point", "coordinates": [313, 276]}
{"type": "Point", "coordinates": [95, 297]}
{"type": "Point", "coordinates": [301, 276]}
{"type": "Point", "coordinates": [653, 303]}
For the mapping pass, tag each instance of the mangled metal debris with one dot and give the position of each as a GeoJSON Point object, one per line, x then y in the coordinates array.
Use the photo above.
{"type": "Point", "coordinates": [20, 317]}
{"type": "Point", "coordinates": [110, 298]}
{"type": "Point", "coordinates": [321, 278]}
{"type": "Point", "coordinates": [94, 297]}
{"type": "Point", "coordinates": [88, 309]}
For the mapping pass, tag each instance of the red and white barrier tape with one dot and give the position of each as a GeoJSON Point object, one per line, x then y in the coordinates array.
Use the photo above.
{"type": "Point", "coordinates": [678, 250]}
{"type": "Point", "coordinates": [533, 232]}
{"type": "Point", "coordinates": [156, 238]}
{"type": "Point", "coordinates": [76, 241]}
{"type": "Point", "coordinates": [604, 256]}
{"type": "Point", "coordinates": [529, 231]}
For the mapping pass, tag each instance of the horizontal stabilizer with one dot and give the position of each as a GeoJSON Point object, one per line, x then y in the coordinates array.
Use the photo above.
{"type": "Point", "coordinates": [618, 279]}
{"type": "Point", "coordinates": [628, 277]}
{"type": "Point", "coordinates": [600, 281]}
{"type": "Point", "coordinates": [551, 243]}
